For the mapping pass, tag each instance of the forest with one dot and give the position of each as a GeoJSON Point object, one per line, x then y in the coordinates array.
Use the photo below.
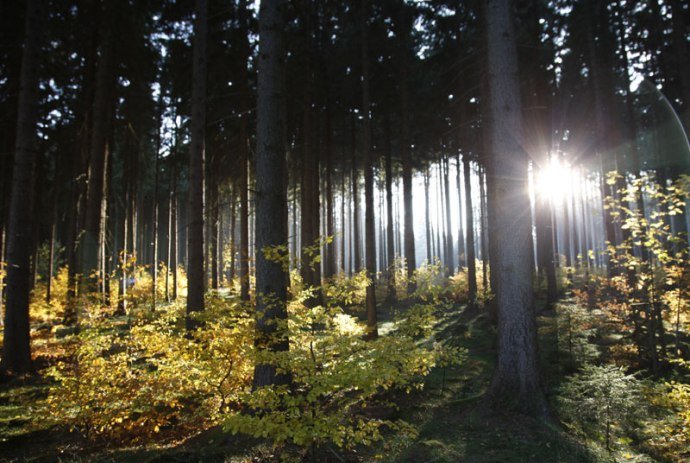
{"type": "Point", "coordinates": [345, 231]}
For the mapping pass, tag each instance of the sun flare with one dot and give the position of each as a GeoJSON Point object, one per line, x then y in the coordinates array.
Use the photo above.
{"type": "Point", "coordinates": [555, 180]}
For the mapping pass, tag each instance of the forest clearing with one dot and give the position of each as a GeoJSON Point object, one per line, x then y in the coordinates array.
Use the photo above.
{"type": "Point", "coordinates": [345, 232]}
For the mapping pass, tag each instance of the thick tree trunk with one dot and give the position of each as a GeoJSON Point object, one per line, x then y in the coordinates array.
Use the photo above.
{"type": "Point", "coordinates": [516, 382]}
{"type": "Point", "coordinates": [271, 191]}
{"type": "Point", "coordinates": [16, 352]}
{"type": "Point", "coordinates": [195, 210]}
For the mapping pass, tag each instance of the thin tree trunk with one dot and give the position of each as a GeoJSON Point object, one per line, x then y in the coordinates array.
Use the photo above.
{"type": "Point", "coordinates": [154, 265]}
{"type": "Point", "coordinates": [471, 259]}
{"type": "Point", "coordinates": [51, 258]}
{"type": "Point", "coordinates": [369, 226]}
{"type": "Point", "coordinates": [406, 21]}
{"type": "Point", "coordinates": [355, 202]}
{"type": "Point", "coordinates": [390, 263]}
{"type": "Point", "coordinates": [448, 233]}
{"type": "Point", "coordinates": [94, 222]}
{"type": "Point", "coordinates": [427, 222]}
{"type": "Point", "coordinates": [462, 255]}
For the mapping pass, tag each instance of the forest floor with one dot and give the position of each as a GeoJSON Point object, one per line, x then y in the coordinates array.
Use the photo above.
{"type": "Point", "coordinates": [451, 422]}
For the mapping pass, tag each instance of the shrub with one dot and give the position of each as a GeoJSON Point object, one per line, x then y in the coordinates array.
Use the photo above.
{"type": "Point", "coordinates": [599, 396]}
{"type": "Point", "coordinates": [129, 383]}
{"type": "Point", "coordinates": [335, 377]}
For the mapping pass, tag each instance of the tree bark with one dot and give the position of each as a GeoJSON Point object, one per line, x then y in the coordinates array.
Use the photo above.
{"type": "Point", "coordinates": [99, 152]}
{"type": "Point", "coordinates": [469, 216]}
{"type": "Point", "coordinates": [16, 352]}
{"type": "Point", "coordinates": [390, 240]}
{"type": "Point", "coordinates": [516, 382]}
{"type": "Point", "coordinates": [271, 192]}
{"type": "Point", "coordinates": [369, 226]}
{"type": "Point", "coordinates": [195, 214]}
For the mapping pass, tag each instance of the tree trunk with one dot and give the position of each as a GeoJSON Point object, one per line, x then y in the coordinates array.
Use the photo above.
{"type": "Point", "coordinates": [462, 255]}
{"type": "Point", "coordinates": [310, 252]}
{"type": "Point", "coordinates": [51, 258]}
{"type": "Point", "coordinates": [331, 250]}
{"type": "Point", "coordinates": [369, 226]}
{"type": "Point", "coordinates": [355, 201]}
{"type": "Point", "coordinates": [16, 352]}
{"type": "Point", "coordinates": [471, 258]}
{"type": "Point", "coordinates": [154, 264]}
{"type": "Point", "coordinates": [271, 191]}
{"type": "Point", "coordinates": [427, 221]}
{"type": "Point", "coordinates": [195, 214]}
{"type": "Point", "coordinates": [448, 233]}
{"type": "Point", "coordinates": [484, 233]}
{"type": "Point", "coordinates": [516, 383]}
{"type": "Point", "coordinates": [390, 240]}
{"type": "Point", "coordinates": [174, 231]}
{"type": "Point", "coordinates": [99, 152]}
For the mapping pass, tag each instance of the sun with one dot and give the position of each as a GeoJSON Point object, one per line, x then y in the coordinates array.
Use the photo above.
{"type": "Point", "coordinates": [555, 181]}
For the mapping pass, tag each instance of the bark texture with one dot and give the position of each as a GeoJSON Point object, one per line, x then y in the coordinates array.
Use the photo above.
{"type": "Point", "coordinates": [271, 191]}
{"type": "Point", "coordinates": [516, 382]}
{"type": "Point", "coordinates": [16, 353]}
{"type": "Point", "coordinates": [195, 217]}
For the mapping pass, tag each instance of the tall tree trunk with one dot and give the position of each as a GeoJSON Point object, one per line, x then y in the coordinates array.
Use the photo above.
{"type": "Point", "coordinates": [484, 233]}
{"type": "Point", "coordinates": [244, 156]}
{"type": "Point", "coordinates": [213, 216]}
{"type": "Point", "coordinates": [51, 258]}
{"type": "Point", "coordinates": [390, 240]}
{"type": "Point", "coordinates": [16, 349]}
{"type": "Point", "coordinates": [462, 255]}
{"type": "Point", "coordinates": [271, 190]}
{"type": "Point", "coordinates": [427, 221]}
{"type": "Point", "coordinates": [516, 382]}
{"type": "Point", "coordinates": [471, 259]}
{"type": "Point", "coordinates": [76, 214]}
{"type": "Point", "coordinates": [99, 152]}
{"type": "Point", "coordinates": [330, 262]}
{"type": "Point", "coordinates": [369, 226]}
{"type": "Point", "coordinates": [355, 201]}
{"type": "Point", "coordinates": [310, 251]}
{"type": "Point", "coordinates": [154, 218]}
{"type": "Point", "coordinates": [174, 236]}
{"type": "Point", "coordinates": [406, 22]}
{"type": "Point", "coordinates": [343, 229]}
{"type": "Point", "coordinates": [195, 211]}
{"type": "Point", "coordinates": [448, 233]}
{"type": "Point", "coordinates": [233, 241]}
